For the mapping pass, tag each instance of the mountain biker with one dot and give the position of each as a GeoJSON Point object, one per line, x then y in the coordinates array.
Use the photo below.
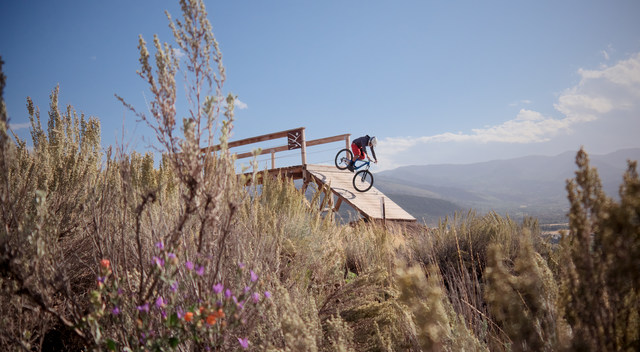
{"type": "Point", "coordinates": [359, 148]}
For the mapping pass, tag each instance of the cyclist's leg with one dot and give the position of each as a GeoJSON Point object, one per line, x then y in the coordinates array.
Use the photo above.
{"type": "Point", "coordinates": [356, 155]}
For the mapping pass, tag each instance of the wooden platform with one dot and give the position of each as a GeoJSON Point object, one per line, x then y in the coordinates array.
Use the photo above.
{"type": "Point", "coordinates": [331, 182]}
{"type": "Point", "coordinates": [366, 203]}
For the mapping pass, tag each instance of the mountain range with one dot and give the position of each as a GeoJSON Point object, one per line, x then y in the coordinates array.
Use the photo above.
{"type": "Point", "coordinates": [531, 185]}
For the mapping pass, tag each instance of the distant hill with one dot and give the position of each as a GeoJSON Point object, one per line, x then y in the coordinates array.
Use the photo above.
{"type": "Point", "coordinates": [531, 185]}
{"type": "Point", "coordinates": [425, 209]}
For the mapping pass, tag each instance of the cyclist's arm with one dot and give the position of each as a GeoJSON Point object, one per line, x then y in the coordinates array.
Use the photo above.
{"type": "Point", "coordinates": [373, 152]}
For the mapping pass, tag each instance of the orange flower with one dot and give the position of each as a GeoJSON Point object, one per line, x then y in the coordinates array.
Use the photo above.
{"type": "Point", "coordinates": [218, 314]}
{"type": "Point", "coordinates": [211, 319]}
{"type": "Point", "coordinates": [105, 263]}
{"type": "Point", "coordinates": [202, 309]}
{"type": "Point", "coordinates": [188, 316]}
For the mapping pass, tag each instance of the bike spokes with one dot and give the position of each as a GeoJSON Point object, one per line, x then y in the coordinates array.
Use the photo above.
{"type": "Point", "coordinates": [343, 158]}
{"type": "Point", "coordinates": [363, 180]}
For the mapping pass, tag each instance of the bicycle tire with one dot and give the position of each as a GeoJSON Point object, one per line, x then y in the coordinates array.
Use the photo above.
{"type": "Point", "coordinates": [363, 180]}
{"type": "Point", "coordinates": [341, 164]}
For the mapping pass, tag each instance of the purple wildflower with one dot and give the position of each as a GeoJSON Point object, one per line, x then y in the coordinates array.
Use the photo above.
{"type": "Point", "coordinates": [200, 270]}
{"type": "Point", "coordinates": [115, 310]}
{"type": "Point", "coordinates": [158, 261]}
{"type": "Point", "coordinates": [174, 287]}
{"type": "Point", "coordinates": [267, 294]}
{"type": "Point", "coordinates": [189, 265]}
{"type": "Point", "coordinates": [160, 245]}
{"type": "Point", "coordinates": [179, 312]}
{"type": "Point", "coordinates": [247, 289]}
{"type": "Point", "coordinates": [239, 304]}
{"type": "Point", "coordinates": [244, 342]}
{"type": "Point", "coordinates": [254, 277]}
{"type": "Point", "coordinates": [228, 293]}
{"type": "Point", "coordinates": [102, 279]}
{"type": "Point", "coordinates": [160, 302]}
{"type": "Point", "coordinates": [256, 297]}
{"type": "Point", "coordinates": [240, 265]}
{"type": "Point", "coordinates": [217, 288]}
{"type": "Point", "coordinates": [144, 308]}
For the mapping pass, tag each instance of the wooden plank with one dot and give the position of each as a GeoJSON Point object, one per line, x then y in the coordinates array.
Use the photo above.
{"type": "Point", "coordinates": [338, 203]}
{"type": "Point", "coordinates": [264, 151]}
{"type": "Point", "coordinates": [296, 172]}
{"type": "Point", "coordinates": [286, 147]}
{"type": "Point", "coordinates": [303, 150]}
{"type": "Point", "coordinates": [318, 141]}
{"type": "Point", "coordinates": [251, 140]}
{"type": "Point", "coordinates": [367, 203]}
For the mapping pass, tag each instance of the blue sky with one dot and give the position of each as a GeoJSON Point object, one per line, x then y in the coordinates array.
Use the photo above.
{"type": "Point", "coordinates": [435, 81]}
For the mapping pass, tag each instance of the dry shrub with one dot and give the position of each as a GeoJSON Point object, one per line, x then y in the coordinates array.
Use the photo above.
{"type": "Point", "coordinates": [339, 335]}
{"type": "Point", "coordinates": [44, 255]}
{"type": "Point", "coordinates": [369, 305]}
{"type": "Point", "coordinates": [437, 326]}
{"type": "Point", "coordinates": [369, 246]}
{"type": "Point", "coordinates": [290, 239]}
{"type": "Point", "coordinates": [600, 274]}
{"type": "Point", "coordinates": [459, 249]}
{"type": "Point", "coordinates": [523, 303]}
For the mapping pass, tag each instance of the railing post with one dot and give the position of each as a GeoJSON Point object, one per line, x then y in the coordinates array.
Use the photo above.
{"type": "Point", "coordinates": [303, 149]}
{"type": "Point", "coordinates": [273, 159]}
{"type": "Point", "coordinates": [347, 139]}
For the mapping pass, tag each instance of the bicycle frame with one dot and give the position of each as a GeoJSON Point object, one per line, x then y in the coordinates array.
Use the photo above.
{"type": "Point", "coordinates": [366, 164]}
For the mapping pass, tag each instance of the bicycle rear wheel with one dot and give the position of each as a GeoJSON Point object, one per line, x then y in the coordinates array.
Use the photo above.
{"type": "Point", "coordinates": [363, 180]}
{"type": "Point", "coordinates": [343, 158]}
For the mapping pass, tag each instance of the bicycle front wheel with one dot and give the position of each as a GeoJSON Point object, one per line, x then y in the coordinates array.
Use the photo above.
{"type": "Point", "coordinates": [343, 158]}
{"type": "Point", "coordinates": [363, 180]}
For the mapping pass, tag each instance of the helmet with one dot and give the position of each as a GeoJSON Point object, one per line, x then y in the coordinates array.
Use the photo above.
{"type": "Point", "coordinates": [373, 141]}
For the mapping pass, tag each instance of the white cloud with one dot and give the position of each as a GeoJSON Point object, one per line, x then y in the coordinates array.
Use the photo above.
{"type": "Point", "coordinates": [521, 102]}
{"type": "Point", "coordinates": [178, 53]}
{"type": "Point", "coordinates": [626, 72]}
{"type": "Point", "coordinates": [19, 126]}
{"type": "Point", "coordinates": [237, 103]}
{"type": "Point", "coordinates": [240, 104]}
{"type": "Point", "coordinates": [599, 95]}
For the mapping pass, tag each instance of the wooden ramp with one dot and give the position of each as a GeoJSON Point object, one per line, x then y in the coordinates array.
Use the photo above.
{"type": "Point", "coordinates": [369, 203]}
{"type": "Point", "coordinates": [372, 204]}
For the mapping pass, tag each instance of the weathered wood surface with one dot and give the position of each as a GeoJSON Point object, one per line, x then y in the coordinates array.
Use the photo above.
{"type": "Point", "coordinates": [367, 203]}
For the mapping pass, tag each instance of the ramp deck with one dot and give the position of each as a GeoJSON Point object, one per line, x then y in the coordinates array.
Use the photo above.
{"type": "Point", "coordinates": [366, 203]}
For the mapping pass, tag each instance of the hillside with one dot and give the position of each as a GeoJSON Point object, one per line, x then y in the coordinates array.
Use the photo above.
{"type": "Point", "coordinates": [531, 185]}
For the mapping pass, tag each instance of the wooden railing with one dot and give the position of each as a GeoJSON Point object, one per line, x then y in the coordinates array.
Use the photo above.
{"type": "Point", "coordinates": [295, 140]}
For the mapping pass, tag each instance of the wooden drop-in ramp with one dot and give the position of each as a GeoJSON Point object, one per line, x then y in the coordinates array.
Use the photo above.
{"type": "Point", "coordinates": [372, 205]}
{"type": "Point", "coordinates": [368, 204]}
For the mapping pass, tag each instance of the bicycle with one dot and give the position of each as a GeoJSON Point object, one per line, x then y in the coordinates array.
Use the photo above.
{"type": "Point", "coordinates": [363, 179]}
